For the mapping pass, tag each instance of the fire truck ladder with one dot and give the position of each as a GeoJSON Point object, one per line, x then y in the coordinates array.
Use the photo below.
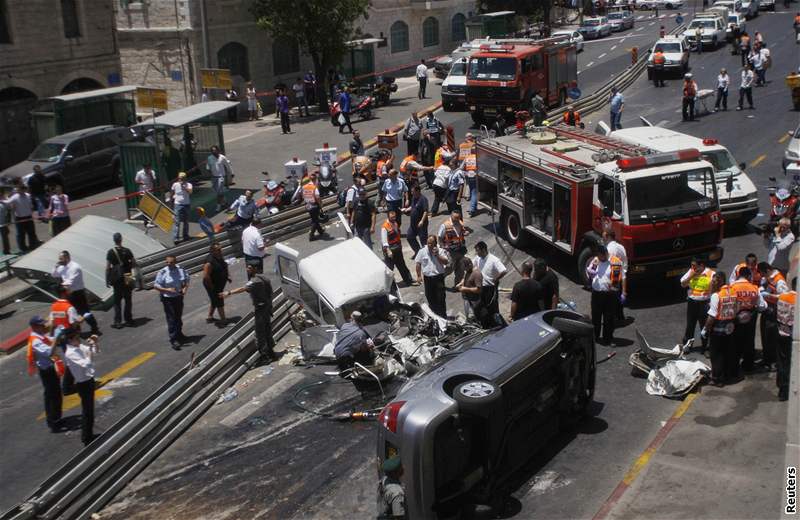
{"type": "Point", "coordinates": [606, 142]}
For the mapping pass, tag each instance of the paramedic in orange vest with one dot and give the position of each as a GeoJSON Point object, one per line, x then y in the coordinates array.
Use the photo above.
{"type": "Point", "coordinates": [313, 204]}
{"type": "Point", "coordinates": [63, 314]}
{"type": "Point", "coordinates": [773, 284]}
{"type": "Point", "coordinates": [444, 154]}
{"type": "Point", "coordinates": [572, 117]}
{"type": "Point", "coordinates": [467, 147]}
{"type": "Point", "coordinates": [393, 248]}
{"type": "Point", "coordinates": [609, 285]}
{"type": "Point", "coordinates": [751, 262]}
{"type": "Point", "coordinates": [785, 312]}
{"type": "Point", "coordinates": [689, 96]}
{"type": "Point", "coordinates": [697, 282]}
{"type": "Point", "coordinates": [41, 358]}
{"type": "Point", "coordinates": [382, 167]}
{"type": "Point", "coordinates": [659, 60]}
{"type": "Point", "coordinates": [471, 174]}
{"type": "Point", "coordinates": [452, 238]}
{"type": "Point", "coordinates": [409, 167]}
{"type": "Point", "coordinates": [748, 303]}
{"type": "Point", "coordinates": [719, 327]}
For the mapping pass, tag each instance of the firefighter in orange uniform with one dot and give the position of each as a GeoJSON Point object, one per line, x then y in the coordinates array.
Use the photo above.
{"type": "Point", "coordinates": [572, 117]}
{"type": "Point", "coordinates": [785, 314]}
{"type": "Point", "coordinates": [748, 303]}
{"type": "Point", "coordinates": [609, 287]}
{"type": "Point", "coordinates": [719, 329]}
{"type": "Point", "coordinates": [42, 358]}
{"type": "Point", "coordinates": [452, 238]}
{"type": "Point", "coordinates": [697, 282]}
{"type": "Point", "coordinates": [409, 167]}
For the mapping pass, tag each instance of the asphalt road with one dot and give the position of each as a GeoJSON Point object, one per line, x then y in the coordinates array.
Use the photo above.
{"type": "Point", "coordinates": [281, 463]}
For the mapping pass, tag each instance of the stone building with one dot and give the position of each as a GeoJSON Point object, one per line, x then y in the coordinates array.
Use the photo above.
{"type": "Point", "coordinates": [164, 43]}
{"type": "Point", "coordinates": [47, 48]}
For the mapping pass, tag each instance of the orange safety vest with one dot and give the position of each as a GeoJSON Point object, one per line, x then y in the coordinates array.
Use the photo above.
{"type": "Point", "coordinates": [471, 163]}
{"type": "Point", "coordinates": [392, 233]}
{"type": "Point", "coordinates": [453, 237]}
{"type": "Point", "coordinates": [700, 286]}
{"type": "Point", "coordinates": [755, 276]}
{"type": "Point", "coordinates": [658, 58]}
{"type": "Point", "coordinates": [464, 149]}
{"type": "Point", "coordinates": [726, 311]}
{"type": "Point", "coordinates": [379, 168]}
{"type": "Point", "coordinates": [746, 295]}
{"type": "Point", "coordinates": [572, 118]}
{"type": "Point", "coordinates": [31, 358]}
{"type": "Point", "coordinates": [615, 274]}
{"type": "Point", "coordinates": [772, 280]}
{"type": "Point", "coordinates": [59, 314]}
{"type": "Point", "coordinates": [404, 164]}
{"type": "Point", "coordinates": [786, 303]}
{"type": "Point", "coordinates": [309, 193]}
{"type": "Point", "coordinates": [437, 158]}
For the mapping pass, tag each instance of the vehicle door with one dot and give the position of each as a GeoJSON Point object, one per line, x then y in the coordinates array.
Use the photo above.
{"type": "Point", "coordinates": [77, 166]}
{"type": "Point", "coordinates": [608, 197]}
{"type": "Point", "coordinates": [286, 265]}
{"type": "Point", "coordinates": [98, 157]}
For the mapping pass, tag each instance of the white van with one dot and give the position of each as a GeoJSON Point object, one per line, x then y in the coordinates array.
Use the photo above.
{"type": "Point", "coordinates": [454, 87]}
{"type": "Point", "coordinates": [738, 197]}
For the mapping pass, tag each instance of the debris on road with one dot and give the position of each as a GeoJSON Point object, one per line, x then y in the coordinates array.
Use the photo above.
{"type": "Point", "coordinates": [676, 378]}
{"type": "Point", "coordinates": [228, 395]}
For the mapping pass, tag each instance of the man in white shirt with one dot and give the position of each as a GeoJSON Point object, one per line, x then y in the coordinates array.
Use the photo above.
{"type": "Point", "coordinates": [221, 173]}
{"type": "Point", "coordinates": [455, 187]}
{"type": "Point", "coordinates": [746, 86]}
{"type": "Point", "coordinates": [615, 249]}
{"type": "Point", "coordinates": [422, 78]}
{"type": "Point", "coordinates": [22, 205]}
{"type": "Point", "coordinates": [253, 246]}
{"type": "Point", "coordinates": [245, 208]}
{"type": "Point", "coordinates": [492, 270]}
{"type": "Point", "coordinates": [182, 203]}
{"type": "Point", "coordinates": [146, 178]}
{"type": "Point", "coordinates": [723, 82]}
{"type": "Point", "coordinates": [79, 358]}
{"type": "Point", "coordinates": [698, 283]}
{"type": "Point", "coordinates": [778, 244]}
{"type": "Point", "coordinates": [431, 262]}
{"type": "Point", "coordinates": [441, 176]}
{"type": "Point", "coordinates": [70, 274]}
{"type": "Point", "coordinates": [607, 279]}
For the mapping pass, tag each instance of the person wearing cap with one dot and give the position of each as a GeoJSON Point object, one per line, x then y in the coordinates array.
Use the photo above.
{"type": "Point", "coordinates": [172, 282]}
{"type": "Point", "coordinates": [182, 200]}
{"type": "Point", "coordinates": [353, 344]}
{"type": "Point", "coordinates": [572, 117]}
{"type": "Point", "coordinates": [362, 218]}
{"type": "Point", "coordinates": [119, 275]}
{"type": "Point", "coordinates": [79, 358]}
{"type": "Point", "coordinates": [41, 358]}
{"type": "Point", "coordinates": [70, 274]}
{"type": "Point", "coordinates": [260, 289]}
{"type": "Point", "coordinates": [391, 495]}
{"type": "Point", "coordinates": [689, 96]}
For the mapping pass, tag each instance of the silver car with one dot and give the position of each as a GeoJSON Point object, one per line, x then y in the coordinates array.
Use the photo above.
{"type": "Point", "coordinates": [467, 423]}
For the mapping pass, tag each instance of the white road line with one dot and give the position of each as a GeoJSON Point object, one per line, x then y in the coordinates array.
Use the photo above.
{"type": "Point", "coordinates": [601, 56]}
{"type": "Point", "coordinates": [589, 64]}
{"type": "Point", "coordinates": [622, 40]}
{"type": "Point", "coordinates": [640, 28]}
{"type": "Point", "coordinates": [652, 23]}
{"type": "Point", "coordinates": [252, 406]}
{"type": "Point", "coordinates": [614, 47]}
{"type": "Point", "coordinates": [579, 72]}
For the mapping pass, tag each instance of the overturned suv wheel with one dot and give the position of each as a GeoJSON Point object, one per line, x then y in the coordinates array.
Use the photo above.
{"type": "Point", "coordinates": [477, 396]}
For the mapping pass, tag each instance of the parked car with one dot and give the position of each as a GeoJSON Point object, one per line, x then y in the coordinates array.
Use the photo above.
{"type": "Point", "coordinates": [76, 160]}
{"type": "Point", "coordinates": [734, 6]}
{"type": "Point", "coordinates": [792, 153]}
{"type": "Point", "coordinates": [441, 67]}
{"type": "Point", "coordinates": [597, 27]}
{"type": "Point", "coordinates": [466, 424]}
{"type": "Point", "coordinates": [661, 4]}
{"type": "Point", "coordinates": [454, 87]}
{"type": "Point", "coordinates": [750, 8]}
{"type": "Point", "coordinates": [736, 22]}
{"type": "Point", "coordinates": [712, 32]}
{"type": "Point", "coordinates": [766, 5]}
{"type": "Point", "coordinates": [676, 55]}
{"type": "Point", "coordinates": [620, 20]}
{"type": "Point", "coordinates": [574, 37]}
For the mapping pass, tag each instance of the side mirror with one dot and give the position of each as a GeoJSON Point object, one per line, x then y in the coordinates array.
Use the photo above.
{"type": "Point", "coordinates": [742, 165]}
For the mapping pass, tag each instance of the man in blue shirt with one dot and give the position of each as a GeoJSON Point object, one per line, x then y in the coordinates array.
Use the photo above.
{"type": "Point", "coordinates": [617, 104]}
{"type": "Point", "coordinates": [245, 208]}
{"type": "Point", "coordinates": [40, 358]}
{"type": "Point", "coordinates": [345, 102]}
{"type": "Point", "coordinates": [395, 192]}
{"type": "Point", "coordinates": [173, 282]}
{"type": "Point", "coordinates": [282, 105]}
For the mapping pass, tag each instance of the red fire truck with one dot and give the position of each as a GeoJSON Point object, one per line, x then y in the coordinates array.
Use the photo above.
{"type": "Point", "coordinates": [564, 186]}
{"type": "Point", "coordinates": [503, 75]}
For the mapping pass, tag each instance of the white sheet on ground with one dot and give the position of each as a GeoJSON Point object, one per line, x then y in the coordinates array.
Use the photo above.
{"type": "Point", "coordinates": [676, 377]}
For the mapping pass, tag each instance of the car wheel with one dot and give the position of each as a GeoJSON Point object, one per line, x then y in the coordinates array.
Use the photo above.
{"type": "Point", "coordinates": [574, 327]}
{"type": "Point", "coordinates": [584, 258]}
{"type": "Point", "coordinates": [366, 114]}
{"type": "Point", "coordinates": [512, 228]}
{"type": "Point", "coordinates": [477, 397]}
{"type": "Point", "coordinates": [714, 43]}
{"type": "Point", "coordinates": [668, 6]}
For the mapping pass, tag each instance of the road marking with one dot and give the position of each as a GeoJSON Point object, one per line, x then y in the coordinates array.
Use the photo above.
{"type": "Point", "coordinates": [645, 457]}
{"type": "Point", "coordinates": [758, 160]}
{"type": "Point", "coordinates": [623, 40]}
{"type": "Point", "coordinates": [579, 72]}
{"type": "Point", "coordinates": [250, 407]}
{"type": "Point", "coordinates": [651, 23]}
{"type": "Point", "coordinates": [590, 64]}
{"type": "Point", "coordinates": [601, 56]}
{"type": "Point", "coordinates": [639, 28]}
{"type": "Point", "coordinates": [613, 47]}
{"type": "Point", "coordinates": [74, 401]}
{"type": "Point", "coordinates": [784, 138]}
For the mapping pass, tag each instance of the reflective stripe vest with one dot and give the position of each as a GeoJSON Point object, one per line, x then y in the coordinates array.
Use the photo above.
{"type": "Point", "coordinates": [786, 303]}
{"type": "Point", "coordinates": [773, 279]}
{"type": "Point", "coordinates": [615, 274]}
{"type": "Point", "coordinates": [453, 236]}
{"type": "Point", "coordinates": [572, 118]}
{"type": "Point", "coordinates": [59, 314]}
{"type": "Point", "coordinates": [404, 164]}
{"type": "Point", "coordinates": [726, 311]}
{"type": "Point", "coordinates": [658, 58]}
{"type": "Point", "coordinates": [464, 149]}
{"type": "Point", "coordinates": [442, 154]}
{"type": "Point", "coordinates": [379, 168]}
{"type": "Point", "coordinates": [755, 276]}
{"type": "Point", "coordinates": [31, 357]}
{"type": "Point", "coordinates": [471, 163]}
{"type": "Point", "coordinates": [700, 286]}
{"type": "Point", "coordinates": [392, 233]}
{"type": "Point", "coordinates": [746, 295]}
{"type": "Point", "coordinates": [309, 193]}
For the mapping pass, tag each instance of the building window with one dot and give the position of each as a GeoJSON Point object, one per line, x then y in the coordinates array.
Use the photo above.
{"type": "Point", "coordinates": [430, 32]}
{"type": "Point", "coordinates": [5, 32]}
{"type": "Point", "coordinates": [285, 57]}
{"type": "Point", "coordinates": [399, 36]}
{"type": "Point", "coordinates": [233, 56]}
{"type": "Point", "coordinates": [458, 29]}
{"type": "Point", "coordinates": [69, 13]}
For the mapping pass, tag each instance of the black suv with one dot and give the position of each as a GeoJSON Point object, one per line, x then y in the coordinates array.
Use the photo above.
{"type": "Point", "coordinates": [76, 160]}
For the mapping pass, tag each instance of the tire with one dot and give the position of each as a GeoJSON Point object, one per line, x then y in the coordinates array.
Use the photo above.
{"type": "Point", "coordinates": [668, 6]}
{"type": "Point", "coordinates": [583, 261]}
{"type": "Point", "coordinates": [477, 118]}
{"type": "Point", "coordinates": [714, 43]}
{"type": "Point", "coordinates": [574, 327]}
{"type": "Point", "coordinates": [477, 397]}
{"type": "Point", "coordinates": [512, 228]}
{"type": "Point", "coordinates": [366, 114]}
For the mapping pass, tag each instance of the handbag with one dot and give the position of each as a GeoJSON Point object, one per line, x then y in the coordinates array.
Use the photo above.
{"type": "Point", "coordinates": [117, 274]}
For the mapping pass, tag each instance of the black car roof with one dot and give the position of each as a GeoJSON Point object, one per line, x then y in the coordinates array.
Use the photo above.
{"type": "Point", "coordinates": [71, 136]}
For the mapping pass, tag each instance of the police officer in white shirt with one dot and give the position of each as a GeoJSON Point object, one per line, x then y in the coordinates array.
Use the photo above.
{"type": "Point", "coordinates": [70, 275]}
{"type": "Point", "coordinates": [182, 202]}
{"type": "Point", "coordinates": [79, 358]}
{"type": "Point", "coordinates": [422, 78]}
{"type": "Point", "coordinates": [253, 246]}
{"type": "Point", "coordinates": [245, 208]}
{"type": "Point", "coordinates": [492, 270]}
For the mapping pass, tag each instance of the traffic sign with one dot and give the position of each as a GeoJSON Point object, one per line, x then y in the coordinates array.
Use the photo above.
{"type": "Point", "coordinates": [216, 78]}
{"type": "Point", "coordinates": [679, 19]}
{"type": "Point", "coordinates": [152, 98]}
{"type": "Point", "coordinates": [574, 93]}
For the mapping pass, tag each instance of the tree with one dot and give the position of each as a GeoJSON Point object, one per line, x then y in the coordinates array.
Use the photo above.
{"type": "Point", "coordinates": [321, 28]}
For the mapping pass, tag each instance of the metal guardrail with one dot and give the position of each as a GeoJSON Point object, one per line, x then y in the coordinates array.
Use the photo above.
{"type": "Point", "coordinates": [93, 476]}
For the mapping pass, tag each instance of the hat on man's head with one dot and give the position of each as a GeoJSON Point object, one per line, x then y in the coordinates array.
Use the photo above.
{"type": "Point", "coordinates": [36, 320]}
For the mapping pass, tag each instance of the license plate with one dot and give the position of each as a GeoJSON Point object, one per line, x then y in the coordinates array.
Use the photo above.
{"type": "Point", "coordinates": [676, 272]}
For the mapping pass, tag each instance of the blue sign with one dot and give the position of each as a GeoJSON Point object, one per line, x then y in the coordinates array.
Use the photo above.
{"type": "Point", "coordinates": [679, 19]}
{"type": "Point", "coordinates": [574, 93]}
{"type": "Point", "coordinates": [176, 75]}
{"type": "Point", "coordinates": [114, 79]}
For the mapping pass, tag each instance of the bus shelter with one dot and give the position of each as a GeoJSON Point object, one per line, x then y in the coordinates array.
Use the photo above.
{"type": "Point", "coordinates": [179, 140]}
{"type": "Point", "coordinates": [69, 112]}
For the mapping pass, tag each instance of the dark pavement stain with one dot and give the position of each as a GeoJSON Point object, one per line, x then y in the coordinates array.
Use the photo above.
{"type": "Point", "coordinates": [679, 453]}
{"type": "Point", "coordinates": [756, 394]}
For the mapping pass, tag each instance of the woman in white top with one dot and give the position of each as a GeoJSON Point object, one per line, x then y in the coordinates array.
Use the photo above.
{"type": "Point", "coordinates": [252, 102]}
{"type": "Point", "coordinates": [58, 212]}
{"type": "Point", "coordinates": [79, 358]}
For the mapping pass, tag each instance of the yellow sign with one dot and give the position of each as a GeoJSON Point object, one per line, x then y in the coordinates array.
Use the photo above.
{"type": "Point", "coordinates": [157, 212]}
{"type": "Point", "coordinates": [152, 98]}
{"type": "Point", "coordinates": [216, 78]}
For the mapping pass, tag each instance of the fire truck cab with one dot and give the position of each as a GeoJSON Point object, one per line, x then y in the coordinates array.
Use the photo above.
{"type": "Point", "coordinates": [562, 187]}
{"type": "Point", "coordinates": [503, 76]}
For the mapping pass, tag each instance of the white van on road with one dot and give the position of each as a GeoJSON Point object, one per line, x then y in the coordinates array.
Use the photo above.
{"type": "Point", "coordinates": [738, 197]}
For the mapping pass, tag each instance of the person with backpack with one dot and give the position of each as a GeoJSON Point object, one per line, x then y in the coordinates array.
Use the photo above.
{"type": "Point", "coordinates": [119, 275]}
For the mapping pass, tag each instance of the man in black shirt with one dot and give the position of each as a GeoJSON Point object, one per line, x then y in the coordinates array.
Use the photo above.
{"type": "Point", "coordinates": [119, 268]}
{"type": "Point", "coordinates": [260, 289]}
{"type": "Point", "coordinates": [417, 234]}
{"type": "Point", "coordinates": [525, 295]}
{"type": "Point", "coordinates": [549, 282]}
{"type": "Point", "coordinates": [362, 218]}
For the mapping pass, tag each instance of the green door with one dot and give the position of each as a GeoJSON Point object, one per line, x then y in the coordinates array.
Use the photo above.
{"type": "Point", "coordinates": [131, 157]}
